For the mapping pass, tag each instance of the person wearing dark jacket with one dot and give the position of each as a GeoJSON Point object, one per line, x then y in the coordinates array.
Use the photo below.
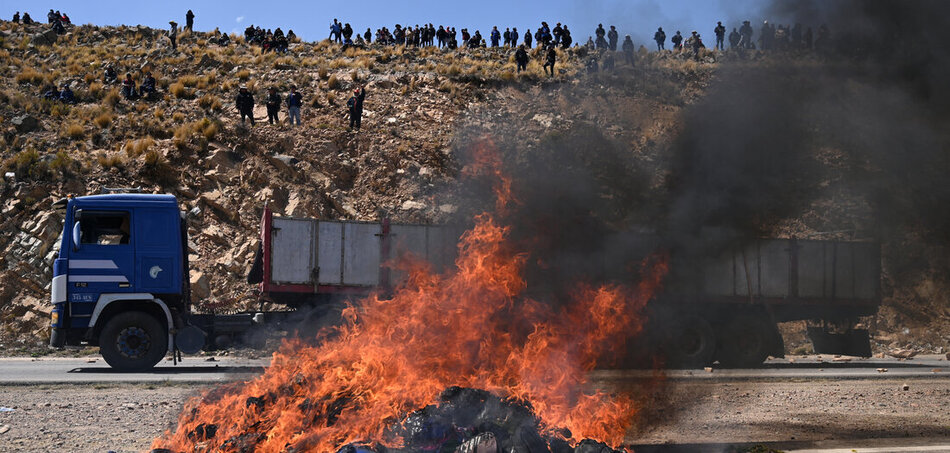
{"type": "Point", "coordinates": [173, 34]}
{"type": "Point", "coordinates": [189, 20]}
{"type": "Point", "coordinates": [549, 61]}
{"type": "Point", "coordinates": [245, 104]}
{"type": "Point", "coordinates": [294, 101]}
{"type": "Point", "coordinates": [628, 50]}
{"type": "Point", "coordinates": [527, 38]}
{"type": "Point", "coordinates": [612, 37]}
{"type": "Point", "coordinates": [521, 58]}
{"type": "Point", "coordinates": [660, 38]}
{"type": "Point", "coordinates": [355, 104]}
{"type": "Point", "coordinates": [273, 106]}
{"type": "Point", "coordinates": [27, 20]}
{"type": "Point", "coordinates": [16, 17]}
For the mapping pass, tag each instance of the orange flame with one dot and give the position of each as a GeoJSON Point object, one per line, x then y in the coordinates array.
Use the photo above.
{"type": "Point", "coordinates": [472, 327]}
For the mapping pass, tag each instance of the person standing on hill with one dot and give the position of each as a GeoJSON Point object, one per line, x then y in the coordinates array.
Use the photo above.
{"type": "Point", "coordinates": [612, 38]}
{"type": "Point", "coordinates": [734, 39]}
{"type": "Point", "coordinates": [16, 17]}
{"type": "Point", "coordinates": [273, 106]}
{"type": "Point", "coordinates": [173, 34]}
{"type": "Point", "coordinates": [720, 36]}
{"type": "Point", "coordinates": [677, 41]}
{"type": "Point", "coordinates": [245, 104]}
{"type": "Point", "coordinates": [294, 100]}
{"type": "Point", "coordinates": [660, 38]}
{"type": "Point", "coordinates": [189, 21]}
{"type": "Point", "coordinates": [495, 36]}
{"type": "Point", "coordinates": [628, 50]}
{"type": "Point", "coordinates": [521, 58]}
{"type": "Point", "coordinates": [355, 104]}
{"type": "Point", "coordinates": [527, 38]}
{"type": "Point", "coordinates": [549, 61]}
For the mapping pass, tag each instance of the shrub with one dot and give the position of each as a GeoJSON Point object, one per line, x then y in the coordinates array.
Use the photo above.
{"type": "Point", "coordinates": [243, 75]}
{"type": "Point", "coordinates": [30, 76]}
{"type": "Point", "coordinates": [75, 131]}
{"type": "Point", "coordinates": [112, 98]}
{"type": "Point", "coordinates": [27, 165]}
{"type": "Point", "coordinates": [333, 83]}
{"type": "Point", "coordinates": [104, 120]}
{"type": "Point", "coordinates": [178, 90]}
{"type": "Point", "coordinates": [322, 73]}
{"type": "Point", "coordinates": [62, 163]}
{"type": "Point", "coordinates": [110, 160]}
{"type": "Point", "coordinates": [135, 148]}
{"type": "Point", "coordinates": [206, 101]}
{"type": "Point", "coordinates": [189, 81]}
{"type": "Point", "coordinates": [178, 117]}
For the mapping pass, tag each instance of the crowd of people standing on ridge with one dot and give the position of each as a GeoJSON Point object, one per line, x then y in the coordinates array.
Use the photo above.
{"type": "Point", "coordinates": [605, 42]}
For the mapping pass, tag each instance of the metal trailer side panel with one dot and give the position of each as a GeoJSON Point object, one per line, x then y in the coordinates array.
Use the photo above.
{"type": "Point", "coordinates": [748, 268]}
{"type": "Point", "coordinates": [815, 259]}
{"type": "Point", "coordinates": [844, 271]}
{"type": "Point", "coordinates": [774, 268]}
{"type": "Point", "coordinates": [407, 239]}
{"type": "Point", "coordinates": [292, 250]}
{"type": "Point", "coordinates": [361, 254]}
{"type": "Point", "coordinates": [867, 276]}
{"type": "Point", "coordinates": [719, 275]}
{"type": "Point", "coordinates": [330, 252]}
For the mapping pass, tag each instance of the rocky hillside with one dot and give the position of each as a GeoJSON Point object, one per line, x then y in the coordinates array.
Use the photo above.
{"type": "Point", "coordinates": [423, 106]}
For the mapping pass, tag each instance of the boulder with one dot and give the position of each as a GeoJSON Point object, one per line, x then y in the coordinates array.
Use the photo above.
{"type": "Point", "coordinates": [25, 124]}
{"type": "Point", "coordinates": [200, 285]}
{"type": "Point", "coordinates": [46, 38]}
{"type": "Point", "coordinates": [283, 162]}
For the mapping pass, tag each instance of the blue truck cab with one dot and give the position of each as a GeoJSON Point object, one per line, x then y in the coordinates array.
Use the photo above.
{"type": "Point", "coordinates": [120, 280]}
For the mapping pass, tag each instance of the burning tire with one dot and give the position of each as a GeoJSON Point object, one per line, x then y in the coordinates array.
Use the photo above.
{"type": "Point", "coordinates": [690, 343]}
{"type": "Point", "coordinates": [133, 341]}
{"type": "Point", "coordinates": [745, 341]}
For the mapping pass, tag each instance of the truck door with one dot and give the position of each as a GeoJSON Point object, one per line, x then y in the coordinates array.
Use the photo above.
{"type": "Point", "coordinates": [157, 251]}
{"type": "Point", "coordinates": [101, 260]}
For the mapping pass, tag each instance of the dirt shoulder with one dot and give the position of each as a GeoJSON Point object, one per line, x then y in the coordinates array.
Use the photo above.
{"type": "Point", "coordinates": [127, 417]}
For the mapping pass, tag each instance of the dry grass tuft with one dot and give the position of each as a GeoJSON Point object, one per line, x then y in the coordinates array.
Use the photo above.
{"type": "Point", "coordinates": [333, 83]}
{"type": "Point", "coordinates": [135, 148]}
{"type": "Point", "coordinates": [75, 131]}
{"type": "Point", "coordinates": [104, 120]}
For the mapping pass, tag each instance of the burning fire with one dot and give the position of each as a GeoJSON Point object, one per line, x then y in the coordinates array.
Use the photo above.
{"type": "Point", "coordinates": [472, 327]}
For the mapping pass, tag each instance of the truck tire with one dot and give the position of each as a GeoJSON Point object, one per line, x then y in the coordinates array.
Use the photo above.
{"type": "Point", "coordinates": [745, 341]}
{"type": "Point", "coordinates": [133, 341]}
{"type": "Point", "coordinates": [690, 343]}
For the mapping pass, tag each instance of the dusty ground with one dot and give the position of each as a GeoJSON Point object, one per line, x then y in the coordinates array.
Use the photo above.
{"type": "Point", "coordinates": [127, 417]}
{"type": "Point", "coordinates": [703, 412]}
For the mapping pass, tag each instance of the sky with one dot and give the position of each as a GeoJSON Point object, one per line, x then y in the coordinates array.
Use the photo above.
{"type": "Point", "coordinates": [310, 19]}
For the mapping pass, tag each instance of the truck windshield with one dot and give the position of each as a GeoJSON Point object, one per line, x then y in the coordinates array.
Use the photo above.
{"type": "Point", "coordinates": [105, 228]}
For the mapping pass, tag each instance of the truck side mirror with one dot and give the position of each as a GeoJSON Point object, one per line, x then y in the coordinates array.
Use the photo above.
{"type": "Point", "coordinates": [77, 240]}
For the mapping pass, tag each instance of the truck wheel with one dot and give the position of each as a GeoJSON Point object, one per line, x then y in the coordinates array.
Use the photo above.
{"type": "Point", "coordinates": [690, 343]}
{"type": "Point", "coordinates": [745, 342]}
{"type": "Point", "coordinates": [133, 341]}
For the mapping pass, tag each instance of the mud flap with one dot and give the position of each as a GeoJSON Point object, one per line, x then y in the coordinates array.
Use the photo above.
{"type": "Point", "coordinates": [854, 342]}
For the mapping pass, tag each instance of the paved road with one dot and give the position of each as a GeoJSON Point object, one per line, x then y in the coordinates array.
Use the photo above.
{"type": "Point", "coordinates": [808, 368]}
{"type": "Point", "coordinates": [199, 370]}
{"type": "Point", "coordinates": [19, 371]}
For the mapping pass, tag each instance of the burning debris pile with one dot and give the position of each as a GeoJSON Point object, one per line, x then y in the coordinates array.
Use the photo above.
{"type": "Point", "coordinates": [474, 327]}
{"type": "Point", "coordinates": [464, 420]}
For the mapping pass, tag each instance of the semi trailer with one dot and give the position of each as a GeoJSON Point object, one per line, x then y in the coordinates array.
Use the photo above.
{"type": "Point", "coordinates": [121, 282]}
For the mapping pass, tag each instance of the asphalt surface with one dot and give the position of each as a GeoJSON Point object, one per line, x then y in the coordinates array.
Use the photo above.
{"type": "Point", "coordinates": [197, 370]}
{"type": "Point", "coordinates": [25, 371]}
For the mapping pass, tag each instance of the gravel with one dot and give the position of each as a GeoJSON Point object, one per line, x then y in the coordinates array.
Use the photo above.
{"type": "Point", "coordinates": [99, 418]}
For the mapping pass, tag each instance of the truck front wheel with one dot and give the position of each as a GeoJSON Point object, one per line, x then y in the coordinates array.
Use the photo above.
{"type": "Point", "coordinates": [133, 341]}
